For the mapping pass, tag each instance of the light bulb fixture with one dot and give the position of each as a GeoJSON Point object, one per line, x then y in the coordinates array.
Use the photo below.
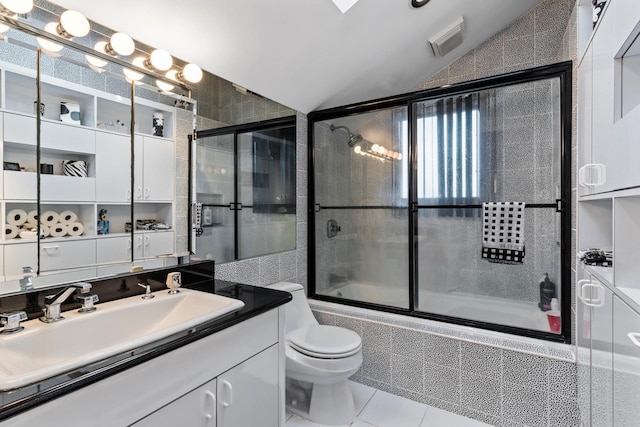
{"type": "Point", "coordinates": [378, 152]}
{"type": "Point", "coordinates": [97, 62]}
{"type": "Point", "coordinates": [159, 60]}
{"type": "Point", "coordinates": [5, 28]}
{"type": "Point", "coordinates": [164, 86]}
{"type": "Point", "coordinates": [73, 24]}
{"type": "Point", "coordinates": [12, 7]}
{"type": "Point", "coordinates": [120, 44]}
{"type": "Point", "coordinates": [367, 148]}
{"type": "Point", "coordinates": [135, 75]}
{"type": "Point", "coordinates": [191, 73]}
{"type": "Point", "coordinates": [48, 45]}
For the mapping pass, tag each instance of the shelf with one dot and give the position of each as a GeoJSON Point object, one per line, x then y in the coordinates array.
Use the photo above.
{"type": "Point", "coordinates": [626, 238]}
{"type": "Point", "coordinates": [595, 229]}
{"type": "Point", "coordinates": [603, 274]}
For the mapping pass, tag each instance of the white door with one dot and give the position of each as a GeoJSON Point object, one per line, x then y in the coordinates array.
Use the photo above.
{"type": "Point", "coordinates": [626, 361]}
{"type": "Point", "coordinates": [248, 394]}
{"type": "Point", "coordinates": [157, 243]}
{"type": "Point", "coordinates": [195, 409]}
{"type": "Point", "coordinates": [113, 168]}
{"type": "Point", "coordinates": [113, 249]}
{"type": "Point", "coordinates": [585, 99]}
{"type": "Point", "coordinates": [158, 170]}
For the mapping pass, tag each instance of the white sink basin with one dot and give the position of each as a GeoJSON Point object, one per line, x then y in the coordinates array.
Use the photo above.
{"type": "Point", "coordinates": [43, 350]}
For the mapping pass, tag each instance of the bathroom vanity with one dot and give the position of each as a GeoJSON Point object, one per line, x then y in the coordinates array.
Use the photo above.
{"type": "Point", "coordinates": [228, 371]}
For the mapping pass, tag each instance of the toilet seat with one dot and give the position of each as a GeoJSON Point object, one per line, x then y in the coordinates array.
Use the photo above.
{"type": "Point", "coordinates": [325, 342]}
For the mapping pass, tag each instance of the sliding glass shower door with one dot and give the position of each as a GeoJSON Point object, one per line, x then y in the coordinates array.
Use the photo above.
{"type": "Point", "coordinates": [361, 216]}
{"type": "Point", "coordinates": [497, 145]}
{"type": "Point", "coordinates": [450, 204]}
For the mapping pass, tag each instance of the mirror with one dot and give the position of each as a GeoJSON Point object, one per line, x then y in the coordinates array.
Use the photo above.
{"type": "Point", "coordinates": [245, 180]}
{"type": "Point", "coordinates": [81, 177]}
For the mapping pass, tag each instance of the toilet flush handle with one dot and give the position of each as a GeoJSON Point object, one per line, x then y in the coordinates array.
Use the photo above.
{"type": "Point", "coordinates": [228, 402]}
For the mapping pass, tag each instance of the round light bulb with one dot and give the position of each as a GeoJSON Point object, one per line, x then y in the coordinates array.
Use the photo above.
{"type": "Point", "coordinates": [17, 6]}
{"type": "Point", "coordinates": [374, 148]}
{"type": "Point", "coordinates": [399, 156]}
{"type": "Point", "coordinates": [74, 24]}
{"type": "Point", "coordinates": [164, 86]}
{"type": "Point", "coordinates": [134, 75]}
{"type": "Point", "coordinates": [48, 45]}
{"type": "Point", "coordinates": [97, 62]}
{"type": "Point", "coordinates": [173, 75]}
{"type": "Point", "coordinates": [192, 73]}
{"type": "Point", "coordinates": [120, 44]}
{"type": "Point", "coordinates": [357, 149]}
{"type": "Point", "coordinates": [161, 60]}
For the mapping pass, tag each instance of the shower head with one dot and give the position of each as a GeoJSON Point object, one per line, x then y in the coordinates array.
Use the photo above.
{"type": "Point", "coordinates": [353, 139]}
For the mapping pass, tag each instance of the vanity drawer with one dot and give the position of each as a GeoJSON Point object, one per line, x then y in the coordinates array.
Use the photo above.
{"type": "Point", "coordinates": [20, 255]}
{"type": "Point", "coordinates": [58, 255]}
{"type": "Point", "coordinates": [19, 129]}
{"type": "Point", "coordinates": [70, 138]}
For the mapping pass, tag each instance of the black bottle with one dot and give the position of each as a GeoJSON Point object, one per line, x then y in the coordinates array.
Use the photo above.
{"type": "Point", "coordinates": [547, 292]}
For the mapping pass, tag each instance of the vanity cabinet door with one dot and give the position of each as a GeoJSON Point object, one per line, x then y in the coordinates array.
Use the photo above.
{"type": "Point", "coordinates": [154, 169]}
{"type": "Point", "coordinates": [153, 244]}
{"type": "Point", "coordinates": [113, 168]}
{"type": "Point", "coordinates": [248, 394]}
{"type": "Point", "coordinates": [195, 409]}
{"type": "Point", "coordinates": [626, 362]}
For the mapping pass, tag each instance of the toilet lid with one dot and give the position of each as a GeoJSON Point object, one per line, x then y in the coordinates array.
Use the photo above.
{"type": "Point", "coordinates": [325, 342]}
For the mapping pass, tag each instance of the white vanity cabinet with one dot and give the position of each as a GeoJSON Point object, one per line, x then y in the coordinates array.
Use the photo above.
{"type": "Point", "coordinates": [236, 376]}
{"type": "Point", "coordinates": [246, 395]}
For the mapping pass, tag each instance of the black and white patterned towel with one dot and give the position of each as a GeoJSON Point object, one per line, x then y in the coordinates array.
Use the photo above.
{"type": "Point", "coordinates": [503, 232]}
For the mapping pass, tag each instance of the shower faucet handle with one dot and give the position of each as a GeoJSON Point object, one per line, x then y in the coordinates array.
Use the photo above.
{"type": "Point", "coordinates": [332, 228]}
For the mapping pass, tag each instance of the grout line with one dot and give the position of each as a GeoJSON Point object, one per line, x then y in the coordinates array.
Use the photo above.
{"type": "Point", "coordinates": [365, 405]}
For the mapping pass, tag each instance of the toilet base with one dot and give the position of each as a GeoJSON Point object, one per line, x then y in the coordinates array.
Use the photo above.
{"type": "Point", "coordinates": [330, 404]}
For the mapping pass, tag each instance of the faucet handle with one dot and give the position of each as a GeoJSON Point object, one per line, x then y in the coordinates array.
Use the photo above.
{"type": "Point", "coordinates": [87, 303]}
{"type": "Point", "coordinates": [11, 321]}
{"type": "Point", "coordinates": [147, 294]}
{"type": "Point", "coordinates": [174, 281]}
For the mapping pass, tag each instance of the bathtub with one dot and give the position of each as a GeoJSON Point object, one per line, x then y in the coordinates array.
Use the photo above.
{"type": "Point", "coordinates": [520, 314]}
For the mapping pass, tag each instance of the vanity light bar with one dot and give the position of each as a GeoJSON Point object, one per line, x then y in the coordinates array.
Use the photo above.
{"type": "Point", "coordinates": [96, 54]}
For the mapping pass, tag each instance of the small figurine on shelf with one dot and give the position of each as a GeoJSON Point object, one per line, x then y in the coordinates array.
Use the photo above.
{"type": "Point", "coordinates": [103, 224]}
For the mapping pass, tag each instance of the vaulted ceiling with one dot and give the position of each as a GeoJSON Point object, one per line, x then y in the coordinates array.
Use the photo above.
{"type": "Point", "coordinates": [306, 54]}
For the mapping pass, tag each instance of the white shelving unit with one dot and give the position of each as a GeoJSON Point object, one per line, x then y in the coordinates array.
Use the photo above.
{"type": "Point", "coordinates": [102, 140]}
{"type": "Point", "coordinates": [608, 298]}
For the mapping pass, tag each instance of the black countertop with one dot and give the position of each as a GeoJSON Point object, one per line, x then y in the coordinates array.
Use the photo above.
{"type": "Point", "coordinates": [257, 300]}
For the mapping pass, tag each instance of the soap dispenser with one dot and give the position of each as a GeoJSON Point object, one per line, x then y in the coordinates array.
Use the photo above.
{"type": "Point", "coordinates": [547, 293]}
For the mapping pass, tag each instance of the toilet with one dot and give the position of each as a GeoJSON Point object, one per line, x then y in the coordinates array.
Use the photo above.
{"type": "Point", "coordinates": [319, 361]}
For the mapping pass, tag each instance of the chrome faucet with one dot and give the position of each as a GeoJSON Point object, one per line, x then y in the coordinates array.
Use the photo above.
{"type": "Point", "coordinates": [52, 302]}
{"type": "Point", "coordinates": [26, 282]}
{"type": "Point", "coordinates": [11, 322]}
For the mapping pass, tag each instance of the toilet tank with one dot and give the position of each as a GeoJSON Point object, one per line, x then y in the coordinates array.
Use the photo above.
{"type": "Point", "coordinates": [297, 311]}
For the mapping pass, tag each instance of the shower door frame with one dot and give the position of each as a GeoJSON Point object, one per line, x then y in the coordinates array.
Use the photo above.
{"type": "Point", "coordinates": [235, 206]}
{"type": "Point", "coordinates": [562, 71]}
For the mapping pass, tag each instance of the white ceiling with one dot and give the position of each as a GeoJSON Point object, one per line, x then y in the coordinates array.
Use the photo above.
{"type": "Point", "coordinates": [305, 54]}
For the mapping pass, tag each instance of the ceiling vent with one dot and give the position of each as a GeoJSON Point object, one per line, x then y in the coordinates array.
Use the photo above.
{"type": "Point", "coordinates": [448, 39]}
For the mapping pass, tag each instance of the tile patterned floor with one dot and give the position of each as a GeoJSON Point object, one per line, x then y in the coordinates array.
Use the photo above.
{"type": "Point", "coordinates": [375, 408]}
